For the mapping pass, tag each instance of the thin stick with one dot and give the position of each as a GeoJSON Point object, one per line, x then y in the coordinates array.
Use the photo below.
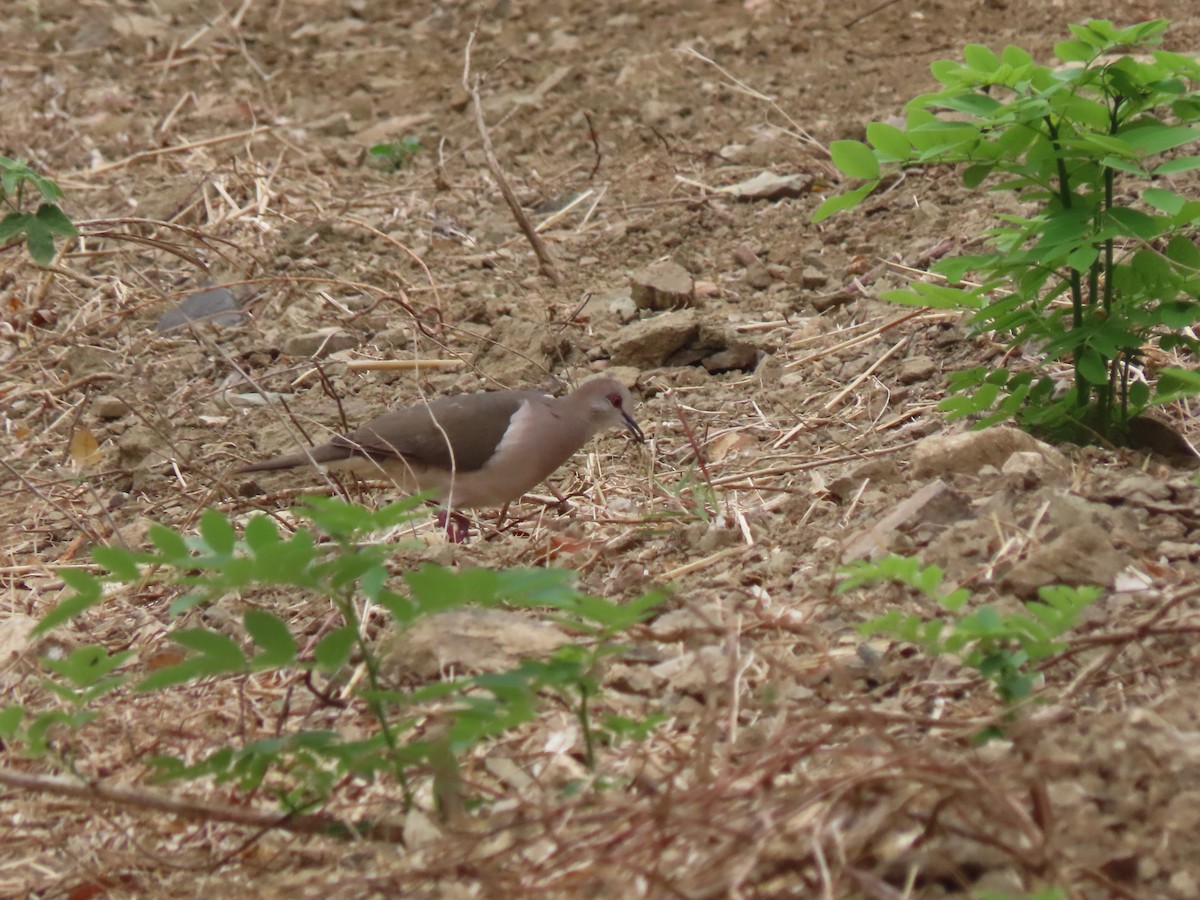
{"type": "Point", "coordinates": [546, 262]}
{"type": "Point", "coordinates": [32, 488]}
{"type": "Point", "coordinates": [759, 95]}
{"type": "Point", "coordinates": [861, 17]}
{"type": "Point", "coordinates": [178, 148]}
{"type": "Point", "coordinates": [204, 810]}
{"type": "Point", "coordinates": [554, 217]}
{"type": "Point", "coordinates": [402, 365]}
{"type": "Point", "coordinates": [860, 339]}
{"type": "Point", "coordinates": [892, 351]}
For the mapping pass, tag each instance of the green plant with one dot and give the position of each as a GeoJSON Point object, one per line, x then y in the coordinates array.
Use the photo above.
{"type": "Point", "coordinates": [37, 228]}
{"type": "Point", "coordinates": [1098, 262]}
{"type": "Point", "coordinates": [418, 731]}
{"type": "Point", "coordinates": [1000, 647]}
{"type": "Point", "coordinates": [395, 155]}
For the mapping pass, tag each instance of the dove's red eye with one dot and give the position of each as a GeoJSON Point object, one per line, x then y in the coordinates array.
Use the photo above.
{"type": "Point", "coordinates": [615, 400]}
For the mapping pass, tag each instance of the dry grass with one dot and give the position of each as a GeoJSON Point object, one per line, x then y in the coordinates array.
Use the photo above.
{"type": "Point", "coordinates": [795, 758]}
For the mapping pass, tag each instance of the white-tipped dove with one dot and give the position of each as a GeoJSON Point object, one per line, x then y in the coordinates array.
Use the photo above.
{"type": "Point", "coordinates": [473, 450]}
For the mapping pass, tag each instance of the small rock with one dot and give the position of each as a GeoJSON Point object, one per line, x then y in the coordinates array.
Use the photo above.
{"type": "Point", "coordinates": [323, 342]}
{"type": "Point", "coordinates": [620, 304]}
{"type": "Point", "coordinates": [139, 446]}
{"type": "Point", "coordinates": [758, 277]}
{"type": "Point", "coordinates": [695, 672]}
{"type": "Point", "coordinates": [627, 375]}
{"type": "Point", "coordinates": [769, 186]}
{"type": "Point", "coordinates": [1154, 436]}
{"type": "Point", "coordinates": [109, 407]}
{"type": "Point", "coordinates": [664, 285]}
{"type": "Point", "coordinates": [1141, 489]}
{"type": "Point", "coordinates": [877, 471]}
{"type": "Point", "coordinates": [739, 356]}
{"type": "Point", "coordinates": [518, 351]}
{"type": "Point", "coordinates": [217, 306]}
{"type": "Point", "coordinates": [809, 277]}
{"type": "Point", "coordinates": [84, 361]}
{"type": "Point", "coordinates": [970, 451]}
{"type": "Point", "coordinates": [715, 537]}
{"type": "Point", "coordinates": [392, 338]}
{"type": "Point", "coordinates": [781, 562]}
{"type": "Point", "coordinates": [916, 368]}
{"type": "Point", "coordinates": [681, 624]}
{"type": "Point", "coordinates": [470, 640]}
{"type": "Point", "coordinates": [648, 343]}
{"type": "Point", "coordinates": [1028, 469]}
{"type": "Point", "coordinates": [744, 255]}
{"type": "Point", "coordinates": [658, 112]}
{"type": "Point", "coordinates": [1080, 555]}
{"type": "Point", "coordinates": [1177, 550]}
{"type": "Point", "coordinates": [934, 504]}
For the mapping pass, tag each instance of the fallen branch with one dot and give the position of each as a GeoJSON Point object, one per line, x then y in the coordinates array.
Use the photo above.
{"type": "Point", "coordinates": [203, 810]}
{"type": "Point", "coordinates": [546, 262]}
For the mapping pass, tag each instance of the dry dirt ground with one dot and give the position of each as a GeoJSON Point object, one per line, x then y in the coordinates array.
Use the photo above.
{"type": "Point", "coordinates": [225, 143]}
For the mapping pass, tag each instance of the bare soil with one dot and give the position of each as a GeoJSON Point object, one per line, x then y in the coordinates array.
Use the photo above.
{"type": "Point", "coordinates": [219, 144]}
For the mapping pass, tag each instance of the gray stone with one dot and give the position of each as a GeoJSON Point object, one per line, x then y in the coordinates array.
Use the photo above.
{"type": "Point", "coordinates": [650, 342]}
{"type": "Point", "coordinates": [217, 306]}
{"type": "Point", "coordinates": [469, 640]}
{"type": "Point", "coordinates": [769, 186]}
{"type": "Point", "coordinates": [917, 368]}
{"type": "Point", "coordinates": [323, 342]}
{"type": "Point", "coordinates": [738, 356]}
{"type": "Point", "coordinates": [109, 407]}
{"type": "Point", "coordinates": [970, 451]}
{"type": "Point", "coordinates": [664, 285]}
{"type": "Point", "coordinates": [758, 277]}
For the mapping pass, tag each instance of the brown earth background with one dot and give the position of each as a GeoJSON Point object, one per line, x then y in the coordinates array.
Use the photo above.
{"type": "Point", "coordinates": [224, 144]}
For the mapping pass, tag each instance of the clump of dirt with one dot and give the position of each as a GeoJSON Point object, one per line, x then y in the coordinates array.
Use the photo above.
{"type": "Point", "coordinates": [670, 156]}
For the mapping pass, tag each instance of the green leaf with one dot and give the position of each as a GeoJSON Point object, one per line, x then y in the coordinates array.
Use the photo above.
{"type": "Point", "coordinates": [946, 71]}
{"type": "Point", "coordinates": [839, 202]}
{"type": "Point", "coordinates": [221, 654]}
{"type": "Point", "coordinates": [1153, 139]}
{"type": "Point", "coordinates": [1124, 165]}
{"type": "Point", "coordinates": [55, 220]}
{"type": "Point", "coordinates": [217, 532]}
{"type": "Point", "coordinates": [1081, 259]}
{"type": "Point", "coordinates": [1167, 201]}
{"type": "Point", "coordinates": [173, 547]}
{"type": "Point", "coordinates": [39, 241]}
{"type": "Point", "coordinates": [1074, 51]}
{"type": "Point", "coordinates": [333, 650]}
{"type": "Point", "coordinates": [1174, 166]}
{"type": "Point", "coordinates": [273, 636]}
{"type": "Point", "coordinates": [937, 296]}
{"type": "Point", "coordinates": [1015, 56]}
{"type": "Point", "coordinates": [121, 562]}
{"type": "Point", "coordinates": [1135, 222]}
{"type": "Point", "coordinates": [261, 534]}
{"type": "Point", "coordinates": [1176, 384]}
{"type": "Point", "coordinates": [855, 159]}
{"type": "Point", "coordinates": [1139, 396]}
{"type": "Point", "coordinates": [980, 58]}
{"type": "Point", "coordinates": [87, 665]}
{"type": "Point", "coordinates": [87, 592]}
{"type": "Point", "coordinates": [889, 142]}
{"type": "Point", "coordinates": [10, 721]}
{"type": "Point", "coordinates": [979, 105]}
{"type": "Point", "coordinates": [1092, 367]}
{"type": "Point", "coordinates": [14, 224]}
{"type": "Point", "coordinates": [190, 669]}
